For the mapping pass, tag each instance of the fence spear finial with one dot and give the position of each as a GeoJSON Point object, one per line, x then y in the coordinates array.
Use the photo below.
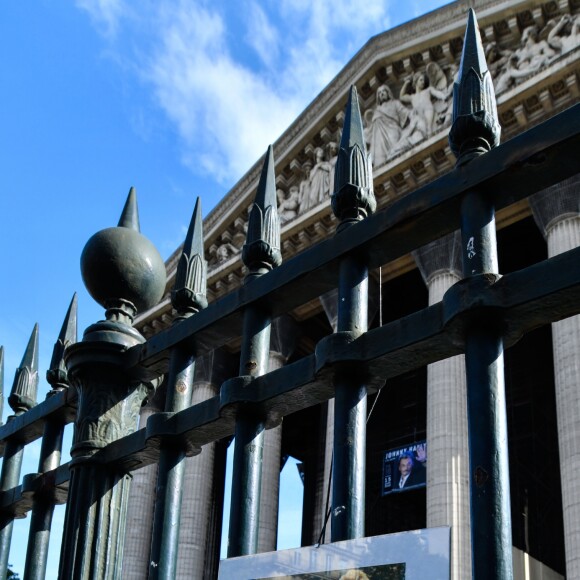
{"type": "Point", "coordinates": [23, 395]}
{"type": "Point", "coordinates": [189, 291]}
{"type": "Point", "coordinates": [130, 214]}
{"type": "Point", "coordinates": [261, 252]}
{"type": "Point", "coordinates": [352, 130]}
{"type": "Point", "coordinates": [56, 375]}
{"type": "Point", "coordinates": [475, 129]}
{"type": "Point", "coordinates": [353, 198]}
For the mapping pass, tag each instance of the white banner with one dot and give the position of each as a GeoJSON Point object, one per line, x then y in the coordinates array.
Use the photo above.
{"type": "Point", "coordinates": [415, 555]}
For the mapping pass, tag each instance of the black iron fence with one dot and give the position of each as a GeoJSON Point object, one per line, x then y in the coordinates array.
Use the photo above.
{"type": "Point", "coordinates": [101, 381]}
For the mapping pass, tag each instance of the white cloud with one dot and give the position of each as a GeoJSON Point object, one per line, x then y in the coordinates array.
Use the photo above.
{"type": "Point", "coordinates": [339, 24]}
{"type": "Point", "coordinates": [324, 34]}
{"type": "Point", "coordinates": [193, 56]}
{"type": "Point", "coordinates": [261, 35]}
{"type": "Point", "coordinates": [225, 113]}
{"type": "Point", "coordinates": [105, 14]}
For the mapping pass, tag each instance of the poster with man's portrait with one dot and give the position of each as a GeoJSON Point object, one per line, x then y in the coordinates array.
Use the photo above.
{"type": "Point", "coordinates": [405, 468]}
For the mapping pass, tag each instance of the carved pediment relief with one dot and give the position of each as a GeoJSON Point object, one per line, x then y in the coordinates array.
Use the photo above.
{"type": "Point", "coordinates": [409, 99]}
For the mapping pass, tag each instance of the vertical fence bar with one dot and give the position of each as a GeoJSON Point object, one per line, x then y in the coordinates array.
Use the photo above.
{"type": "Point", "coordinates": [352, 201]}
{"type": "Point", "coordinates": [260, 254]}
{"type": "Point", "coordinates": [50, 454]}
{"type": "Point", "coordinates": [22, 398]}
{"type": "Point", "coordinates": [188, 297]}
{"type": "Point", "coordinates": [124, 273]}
{"type": "Point", "coordinates": [476, 130]}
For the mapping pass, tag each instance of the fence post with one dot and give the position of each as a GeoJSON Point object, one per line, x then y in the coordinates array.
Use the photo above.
{"type": "Point", "coordinates": [475, 131]}
{"type": "Point", "coordinates": [22, 398]}
{"type": "Point", "coordinates": [260, 254]}
{"type": "Point", "coordinates": [188, 297]}
{"type": "Point", "coordinates": [124, 273]}
{"type": "Point", "coordinates": [352, 201]}
{"type": "Point", "coordinates": [50, 453]}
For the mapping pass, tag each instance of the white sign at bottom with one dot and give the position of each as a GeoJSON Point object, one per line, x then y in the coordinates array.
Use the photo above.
{"type": "Point", "coordinates": [415, 555]}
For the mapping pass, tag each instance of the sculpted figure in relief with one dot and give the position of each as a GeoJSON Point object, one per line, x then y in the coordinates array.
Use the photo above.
{"type": "Point", "coordinates": [385, 126]}
{"type": "Point", "coordinates": [496, 58]}
{"type": "Point", "coordinates": [305, 188]}
{"type": "Point", "coordinates": [319, 179]}
{"type": "Point", "coordinates": [333, 155]}
{"type": "Point", "coordinates": [224, 251]}
{"type": "Point", "coordinates": [565, 36]}
{"type": "Point", "coordinates": [509, 75]}
{"type": "Point", "coordinates": [288, 205]}
{"type": "Point", "coordinates": [442, 79]}
{"type": "Point", "coordinates": [419, 93]}
{"type": "Point", "coordinates": [533, 55]}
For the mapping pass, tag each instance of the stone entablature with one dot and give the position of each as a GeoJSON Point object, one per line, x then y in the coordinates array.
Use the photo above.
{"type": "Point", "coordinates": [405, 80]}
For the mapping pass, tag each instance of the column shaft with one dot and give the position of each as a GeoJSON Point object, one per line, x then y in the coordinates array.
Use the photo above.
{"type": "Point", "coordinates": [562, 236]}
{"type": "Point", "coordinates": [269, 499]}
{"type": "Point", "coordinates": [214, 540]}
{"type": "Point", "coordinates": [318, 481]}
{"type": "Point", "coordinates": [140, 515]}
{"type": "Point", "coordinates": [447, 464]}
{"type": "Point", "coordinates": [196, 502]}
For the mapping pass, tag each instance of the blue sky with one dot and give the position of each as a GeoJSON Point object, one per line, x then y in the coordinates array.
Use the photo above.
{"type": "Point", "coordinates": [177, 98]}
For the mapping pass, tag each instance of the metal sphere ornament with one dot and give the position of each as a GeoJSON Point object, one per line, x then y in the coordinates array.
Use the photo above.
{"type": "Point", "coordinates": [122, 270]}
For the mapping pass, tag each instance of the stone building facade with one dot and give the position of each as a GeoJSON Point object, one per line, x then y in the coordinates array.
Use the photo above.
{"type": "Point", "coordinates": [405, 81]}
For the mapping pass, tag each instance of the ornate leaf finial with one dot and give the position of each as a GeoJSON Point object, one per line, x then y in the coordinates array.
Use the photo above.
{"type": "Point", "coordinates": [23, 394]}
{"type": "Point", "coordinates": [122, 269]}
{"type": "Point", "coordinates": [130, 215]}
{"type": "Point", "coordinates": [261, 252]}
{"type": "Point", "coordinates": [189, 292]}
{"type": "Point", "coordinates": [353, 198]}
{"type": "Point", "coordinates": [56, 375]}
{"type": "Point", "coordinates": [475, 129]}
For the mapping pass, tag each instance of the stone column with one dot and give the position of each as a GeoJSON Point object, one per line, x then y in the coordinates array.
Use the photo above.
{"type": "Point", "coordinates": [196, 507]}
{"type": "Point", "coordinates": [214, 536]}
{"type": "Point", "coordinates": [269, 499]}
{"type": "Point", "coordinates": [323, 496]}
{"type": "Point", "coordinates": [556, 211]}
{"type": "Point", "coordinates": [320, 472]}
{"type": "Point", "coordinates": [317, 482]}
{"type": "Point", "coordinates": [447, 452]}
{"type": "Point", "coordinates": [140, 509]}
{"type": "Point", "coordinates": [282, 343]}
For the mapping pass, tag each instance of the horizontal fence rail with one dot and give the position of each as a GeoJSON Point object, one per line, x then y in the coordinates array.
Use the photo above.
{"type": "Point", "coordinates": [525, 300]}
